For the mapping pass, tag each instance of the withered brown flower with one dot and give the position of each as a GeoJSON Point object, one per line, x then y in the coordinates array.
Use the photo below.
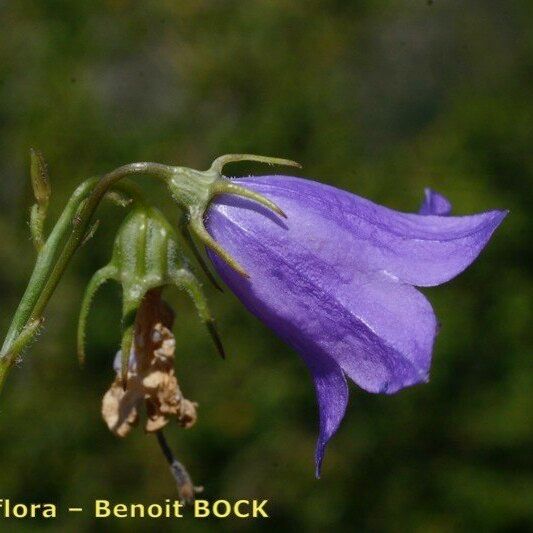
{"type": "Point", "coordinates": [151, 381]}
{"type": "Point", "coordinates": [151, 376]}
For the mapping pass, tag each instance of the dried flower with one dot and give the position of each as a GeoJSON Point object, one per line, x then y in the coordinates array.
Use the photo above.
{"type": "Point", "coordinates": [151, 382]}
{"type": "Point", "coordinates": [151, 376]}
{"type": "Point", "coordinates": [336, 280]}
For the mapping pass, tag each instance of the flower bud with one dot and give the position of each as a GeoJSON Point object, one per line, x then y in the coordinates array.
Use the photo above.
{"type": "Point", "coordinates": [39, 177]}
{"type": "Point", "coordinates": [41, 190]}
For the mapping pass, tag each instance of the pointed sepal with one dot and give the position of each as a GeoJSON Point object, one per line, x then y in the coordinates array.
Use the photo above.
{"type": "Point", "coordinates": [128, 335]}
{"type": "Point", "coordinates": [185, 233]}
{"type": "Point", "coordinates": [193, 190]}
{"type": "Point", "coordinates": [198, 228]}
{"type": "Point", "coordinates": [223, 160]}
{"type": "Point", "coordinates": [98, 279]}
{"type": "Point", "coordinates": [185, 280]}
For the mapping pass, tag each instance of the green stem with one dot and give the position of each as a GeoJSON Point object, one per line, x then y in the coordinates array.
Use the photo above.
{"type": "Point", "coordinates": [44, 264]}
{"type": "Point", "coordinates": [47, 272]}
{"type": "Point", "coordinates": [82, 220]}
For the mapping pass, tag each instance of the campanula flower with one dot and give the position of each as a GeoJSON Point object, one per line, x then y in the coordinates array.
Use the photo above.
{"type": "Point", "coordinates": [336, 280]}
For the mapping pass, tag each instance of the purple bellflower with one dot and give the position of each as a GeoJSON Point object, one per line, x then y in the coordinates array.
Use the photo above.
{"type": "Point", "coordinates": [336, 280]}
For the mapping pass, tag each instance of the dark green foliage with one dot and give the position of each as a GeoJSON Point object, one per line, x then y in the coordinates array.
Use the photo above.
{"type": "Point", "coordinates": [381, 98]}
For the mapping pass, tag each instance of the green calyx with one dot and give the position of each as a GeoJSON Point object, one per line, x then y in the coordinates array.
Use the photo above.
{"type": "Point", "coordinates": [146, 255]}
{"type": "Point", "coordinates": [193, 190]}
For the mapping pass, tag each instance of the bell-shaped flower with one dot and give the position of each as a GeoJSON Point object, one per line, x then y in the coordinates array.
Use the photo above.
{"type": "Point", "coordinates": [336, 279]}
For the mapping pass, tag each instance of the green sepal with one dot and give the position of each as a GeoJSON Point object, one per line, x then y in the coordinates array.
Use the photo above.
{"type": "Point", "coordinates": [147, 254]}
{"type": "Point", "coordinates": [99, 278]}
{"type": "Point", "coordinates": [194, 190]}
{"type": "Point", "coordinates": [129, 316]}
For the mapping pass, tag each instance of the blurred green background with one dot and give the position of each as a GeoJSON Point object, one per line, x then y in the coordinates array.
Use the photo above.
{"type": "Point", "coordinates": [380, 98]}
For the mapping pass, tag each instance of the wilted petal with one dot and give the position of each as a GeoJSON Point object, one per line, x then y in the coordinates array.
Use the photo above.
{"type": "Point", "coordinates": [434, 204]}
{"type": "Point", "coordinates": [350, 232]}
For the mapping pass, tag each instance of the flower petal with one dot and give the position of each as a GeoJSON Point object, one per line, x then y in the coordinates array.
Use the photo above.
{"type": "Point", "coordinates": [379, 330]}
{"type": "Point", "coordinates": [388, 343]}
{"type": "Point", "coordinates": [266, 296]}
{"type": "Point", "coordinates": [435, 204]}
{"type": "Point", "coordinates": [376, 329]}
{"type": "Point", "coordinates": [332, 397]}
{"type": "Point", "coordinates": [350, 232]}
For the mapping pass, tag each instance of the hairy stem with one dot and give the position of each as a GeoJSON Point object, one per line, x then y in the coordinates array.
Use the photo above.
{"type": "Point", "coordinates": [45, 262]}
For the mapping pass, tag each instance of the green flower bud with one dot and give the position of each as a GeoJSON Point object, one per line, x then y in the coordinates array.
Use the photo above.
{"type": "Point", "coordinates": [41, 190]}
{"type": "Point", "coordinates": [39, 177]}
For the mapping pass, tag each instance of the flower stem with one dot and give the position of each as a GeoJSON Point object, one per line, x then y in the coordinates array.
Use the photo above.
{"type": "Point", "coordinates": [81, 223]}
{"type": "Point", "coordinates": [44, 264]}
{"type": "Point", "coordinates": [48, 270]}
{"type": "Point", "coordinates": [186, 488]}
